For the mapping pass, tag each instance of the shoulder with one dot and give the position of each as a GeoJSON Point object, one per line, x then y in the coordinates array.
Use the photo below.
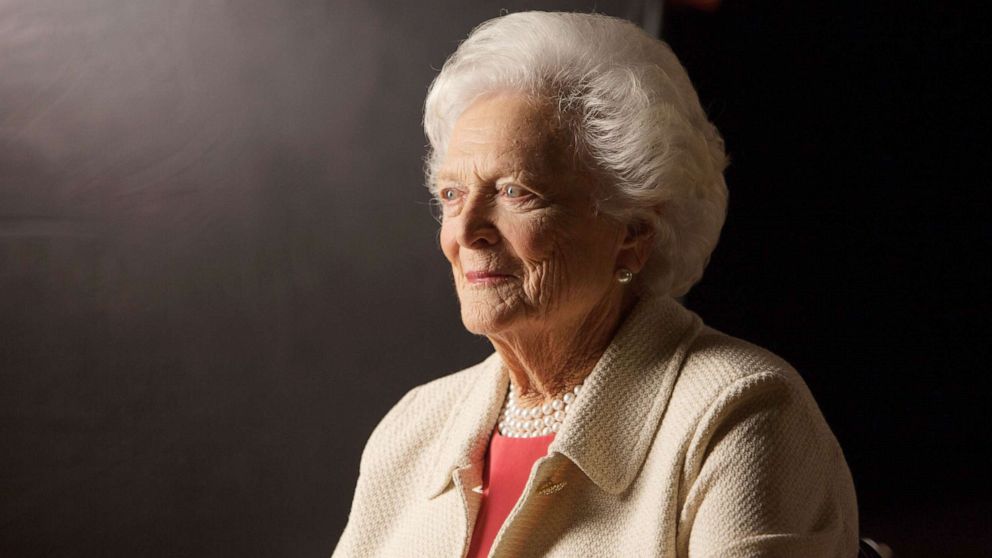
{"type": "Point", "coordinates": [724, 379]}
{"type": "Point", "coordinates": [717, 364]}
{"type": "Point", "coordinates": [420, 416]}
{"type": "Point", "coordinates": [758, 453]}
{"type": "Point", "coordinates": [730, 384]}
{"type": "Point", "coordinates": [720, 359]}
{"type": "Point", "coordinates": [401, 449]}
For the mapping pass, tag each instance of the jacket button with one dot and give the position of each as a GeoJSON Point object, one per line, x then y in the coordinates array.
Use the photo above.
{"type": "Point", "coordinates": [550, 487]}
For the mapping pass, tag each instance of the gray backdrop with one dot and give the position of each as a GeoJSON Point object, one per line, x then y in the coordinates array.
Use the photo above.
{"type": "Point", "coordinates": [218, 268]}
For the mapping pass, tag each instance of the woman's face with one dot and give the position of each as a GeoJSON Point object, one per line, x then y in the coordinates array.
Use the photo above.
{"type": "Point", "coordinates": [526, 246]}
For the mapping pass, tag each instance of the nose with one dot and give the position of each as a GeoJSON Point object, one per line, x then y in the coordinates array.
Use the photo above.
{"type": "Point", "coordinates": [477, 229]}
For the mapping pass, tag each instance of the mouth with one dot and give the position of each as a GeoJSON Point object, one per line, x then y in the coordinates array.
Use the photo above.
{"type": "Point", "coordinates": [486, 277]}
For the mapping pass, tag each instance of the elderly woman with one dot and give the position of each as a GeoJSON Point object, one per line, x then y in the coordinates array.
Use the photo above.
{"type": "Point", "coordinates": [582, 190]}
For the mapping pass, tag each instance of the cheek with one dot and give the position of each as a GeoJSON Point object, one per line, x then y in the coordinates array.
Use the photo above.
{"type": "Point", "coordinates": [532, 240]}
{"type": "Point", "coordinates": [574, 258]}
{"type": "Point", "coordinates": [449, 244]}
{"type": "Point", "coordinates": [543, 246]}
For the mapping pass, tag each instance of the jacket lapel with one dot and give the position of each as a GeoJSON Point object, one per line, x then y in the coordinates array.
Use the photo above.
{"type": "Point", "coordinates": [611, 426]}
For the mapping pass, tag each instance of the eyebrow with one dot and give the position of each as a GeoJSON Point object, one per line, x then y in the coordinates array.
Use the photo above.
{"type": "Point", "coordinates": [447, 176]}
{"type": "Point", "coordinates": [526, 176]}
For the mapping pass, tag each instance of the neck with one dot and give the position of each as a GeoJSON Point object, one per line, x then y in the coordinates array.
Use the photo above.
{"type": "Point", "coordinates": [548, 359]}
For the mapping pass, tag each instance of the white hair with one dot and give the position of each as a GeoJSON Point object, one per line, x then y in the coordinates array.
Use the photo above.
{"type": "Point", "coordinates": [634, 113]}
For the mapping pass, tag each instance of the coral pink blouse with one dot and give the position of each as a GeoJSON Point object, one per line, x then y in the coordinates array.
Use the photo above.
{"type": "Point", "coordinates": [507, 467]}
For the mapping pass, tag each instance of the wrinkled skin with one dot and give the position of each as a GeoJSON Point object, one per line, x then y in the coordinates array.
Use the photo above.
{"type": "Point", "coordinates": [518, 205]}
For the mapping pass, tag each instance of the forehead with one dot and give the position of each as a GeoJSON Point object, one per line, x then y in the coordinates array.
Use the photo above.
{"type": "Point", "coordinates": [507, 132]}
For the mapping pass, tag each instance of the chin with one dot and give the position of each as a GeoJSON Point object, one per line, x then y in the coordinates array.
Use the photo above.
{"type": "Point", "coordinates": [481, 318]}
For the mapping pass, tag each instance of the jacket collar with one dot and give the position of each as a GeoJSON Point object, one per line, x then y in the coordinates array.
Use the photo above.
{"type": "Point", "coordinates": [466, 434]}
{"type": "Point", "coordinates": [610, 428]}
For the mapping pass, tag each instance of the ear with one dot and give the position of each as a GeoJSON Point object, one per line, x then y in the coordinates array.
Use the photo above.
{"type": "Point", "coordinates": [636, 246]}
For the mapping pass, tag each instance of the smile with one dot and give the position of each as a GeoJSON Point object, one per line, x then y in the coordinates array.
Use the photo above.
{"type": "Point", "coordinates": [486, 277]}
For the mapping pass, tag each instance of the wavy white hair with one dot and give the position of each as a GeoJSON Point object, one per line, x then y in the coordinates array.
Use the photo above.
{"type": "Point", "coordinates": [635, 117]}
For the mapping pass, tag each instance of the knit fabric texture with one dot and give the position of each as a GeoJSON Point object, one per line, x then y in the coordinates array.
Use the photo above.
{"type": "Point", "coordinates": [686, 442]}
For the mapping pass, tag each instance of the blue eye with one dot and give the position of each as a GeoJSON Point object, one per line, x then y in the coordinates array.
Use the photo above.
{"type": "Point", "coordinates": [512, 191]}
{"type": "Point", "coordinates": [449, 194]}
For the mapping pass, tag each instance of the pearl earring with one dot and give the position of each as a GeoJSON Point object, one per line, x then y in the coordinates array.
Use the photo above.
{"type": "Point", "coordinates": [624, 275]}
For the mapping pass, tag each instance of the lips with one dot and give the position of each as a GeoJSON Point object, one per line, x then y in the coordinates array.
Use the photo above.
{"type": "Point", "coordinates": [486, 277]}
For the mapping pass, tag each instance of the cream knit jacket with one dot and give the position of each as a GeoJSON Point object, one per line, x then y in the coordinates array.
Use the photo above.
{"type": "Point", "coordinates": [686, 442]}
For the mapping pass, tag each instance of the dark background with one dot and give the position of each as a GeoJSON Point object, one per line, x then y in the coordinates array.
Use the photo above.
{"type": "Point", "coordinates": [218, 267]}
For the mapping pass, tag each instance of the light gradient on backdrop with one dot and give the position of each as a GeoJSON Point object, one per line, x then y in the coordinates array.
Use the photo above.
{"type": "Point", "coordinates": [218, 269]}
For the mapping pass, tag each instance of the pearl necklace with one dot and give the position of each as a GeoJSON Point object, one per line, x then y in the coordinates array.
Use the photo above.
{"type": "Point", "coordinates": [520, 422]}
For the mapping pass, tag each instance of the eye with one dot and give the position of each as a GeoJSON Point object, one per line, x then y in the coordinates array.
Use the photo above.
{"type": "Point", "coordinates": [514, 191]}
{"type": "Point", "coordinates": [448, 194]}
